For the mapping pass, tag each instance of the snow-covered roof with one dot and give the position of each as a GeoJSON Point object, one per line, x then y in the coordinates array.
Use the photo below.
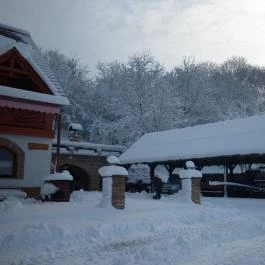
{"type": "Point", "coordinates": [17, 34]}
{"type": "Point", "coordinates": [11, 37]}
{"type": "Point", "coordinates": [33, 96]}
{"type": "Point", "coordinates": [233, 137]}
{"type": "Point", "coordinates": [89, 146]}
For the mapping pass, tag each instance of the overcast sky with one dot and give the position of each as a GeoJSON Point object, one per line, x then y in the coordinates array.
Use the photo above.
{"type": "Point", "coordinates": [107, 30]}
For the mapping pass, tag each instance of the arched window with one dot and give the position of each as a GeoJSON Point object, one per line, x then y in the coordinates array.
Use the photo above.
{"type": "Point", "coordinates": [12, 159]}
{"type": "Point", "coordinates": [7, 162]}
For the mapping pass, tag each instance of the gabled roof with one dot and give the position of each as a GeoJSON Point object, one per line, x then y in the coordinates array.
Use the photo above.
{"type": "Point", "coordinates": [227, 138]}
{"type": "Point", "coordinates": [21, 40]}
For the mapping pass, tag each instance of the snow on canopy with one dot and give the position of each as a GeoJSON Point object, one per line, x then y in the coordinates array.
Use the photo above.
{"type": "Point", "coordinates": [65, 175]}
{"type": "Point", "coordinates": [90, 146]}
{"type": "Point", "coordinates": [11, 37]}
{"type": "Point", "coordinates": [233, 137]}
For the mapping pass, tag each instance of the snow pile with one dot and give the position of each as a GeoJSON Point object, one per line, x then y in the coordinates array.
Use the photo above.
{"type": "Point", "coordinates": [84, 196]}
{"type": "Point", "coordinates": [33, 236]}
{"type": "Point", "coordinates": [162, 173]}
{"type": "Point", "coordinates": [10, 204]}
{"type": "Point", "coordinates": [65, 175]}
{"type": "Point", "coordinates": [4, 193]}
{"type": "Point", "coordinates": [108, 171]}
{"type": "Point", "coordinates": [47, 189]}
{"type": "Point", "coordinates": [165, 232]}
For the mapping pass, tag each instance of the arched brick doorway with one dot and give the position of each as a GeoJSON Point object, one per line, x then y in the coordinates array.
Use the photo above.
{"type": "Point", "coordinates": [81, 177]}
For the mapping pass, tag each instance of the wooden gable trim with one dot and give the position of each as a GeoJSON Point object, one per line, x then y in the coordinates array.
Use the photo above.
{"type": "Point", "coordinates": [26, 131]}
{"type": "Point", "coordinates": [24, 68]}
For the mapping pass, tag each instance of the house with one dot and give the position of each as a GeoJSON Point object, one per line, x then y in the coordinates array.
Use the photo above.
{"type": "Point", "coordinates": [227, 144]}
{"type": "Point", "coordinates": [31, 102]}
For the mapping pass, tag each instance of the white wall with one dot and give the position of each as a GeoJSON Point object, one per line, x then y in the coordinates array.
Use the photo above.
{"type": "Point", "coordinates": [37, 162]}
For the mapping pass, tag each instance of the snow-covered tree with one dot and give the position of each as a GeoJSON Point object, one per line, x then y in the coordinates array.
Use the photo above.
{"type": "Point", "coordinates": [126, 100]}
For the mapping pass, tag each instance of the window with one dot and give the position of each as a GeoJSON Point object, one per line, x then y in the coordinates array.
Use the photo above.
{"type": "Point", "coordinates": [7, 162]}
{"type": "Point", "coordinates": [12, 159]}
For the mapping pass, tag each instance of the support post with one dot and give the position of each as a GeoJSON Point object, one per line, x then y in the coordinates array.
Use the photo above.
{"type": "Point", "coordinates": [59, 127]}
{"type": "Point", "coordinates": [170, 169]}
{"type": "Point", "coordinates": [225, 180]}
{"type": "Point", "coordinates": [152, 174]}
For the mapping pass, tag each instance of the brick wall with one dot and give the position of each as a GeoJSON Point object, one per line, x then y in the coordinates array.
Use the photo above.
{"type": "Point", "coordinates": [196, 190]}
{"type": "Point", "coordinates": [118, 192]}
{"type": "Point", "coordinates": [32, 192]}
{"type": "Point", "coordinates": [91, 164]}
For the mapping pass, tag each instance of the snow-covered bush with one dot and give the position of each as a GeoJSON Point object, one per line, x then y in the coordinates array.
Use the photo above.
{"type": "Point", "coordinates": [47, 189]}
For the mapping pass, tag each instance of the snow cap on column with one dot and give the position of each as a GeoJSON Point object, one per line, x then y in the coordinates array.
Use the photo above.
{"type": "Point", "coordinates": [190, 164]}
{"type": "Point", "coordinates": [190, 172]}
{"type": "Point", "coordinates": [113, 160]}
{"type": "Point", "coordinates": [109, 171]}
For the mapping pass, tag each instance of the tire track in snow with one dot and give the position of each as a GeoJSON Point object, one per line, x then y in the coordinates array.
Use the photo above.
{"type": "Point", "coordinates": [248, 251]}
{"type": "Point", "coordinates": [182, 237]}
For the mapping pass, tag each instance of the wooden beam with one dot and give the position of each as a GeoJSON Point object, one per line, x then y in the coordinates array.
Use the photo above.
{"type": "Point", "coordinates": [12, 70]}
{"type": "Point", "coordinates": [58, 142]}
{"type": "Point", "coordinates": [26, 69]}
{"type": "Point", "coordinates": [225, 180]}
{"type": "Point", "coordinates": [7, 75]}
{"type": "Point", "coordinates": [152, 174]}
{"type": "Point", "coordinates": [26, 131]}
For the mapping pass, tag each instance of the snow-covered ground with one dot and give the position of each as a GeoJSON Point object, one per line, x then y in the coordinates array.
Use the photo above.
{"type": "Point", "coordinates": [154, 232]}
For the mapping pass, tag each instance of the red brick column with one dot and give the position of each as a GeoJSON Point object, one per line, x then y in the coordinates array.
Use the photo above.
{"type": "Point", "coordinates": [118, 192]}
{"type": "Point", "coordinates": [196, 190]}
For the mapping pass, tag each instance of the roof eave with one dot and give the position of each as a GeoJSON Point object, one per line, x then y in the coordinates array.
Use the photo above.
{"type": "Point", "coordinates": [33, 96]}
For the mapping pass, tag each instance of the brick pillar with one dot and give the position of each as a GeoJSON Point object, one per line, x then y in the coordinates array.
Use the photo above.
{"type": "Point", "coordinates": [191, 183]}
{"type": "Point", "coordinates": [196, 190]}
{"type": "Point", "coordinates": [118, 192]}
